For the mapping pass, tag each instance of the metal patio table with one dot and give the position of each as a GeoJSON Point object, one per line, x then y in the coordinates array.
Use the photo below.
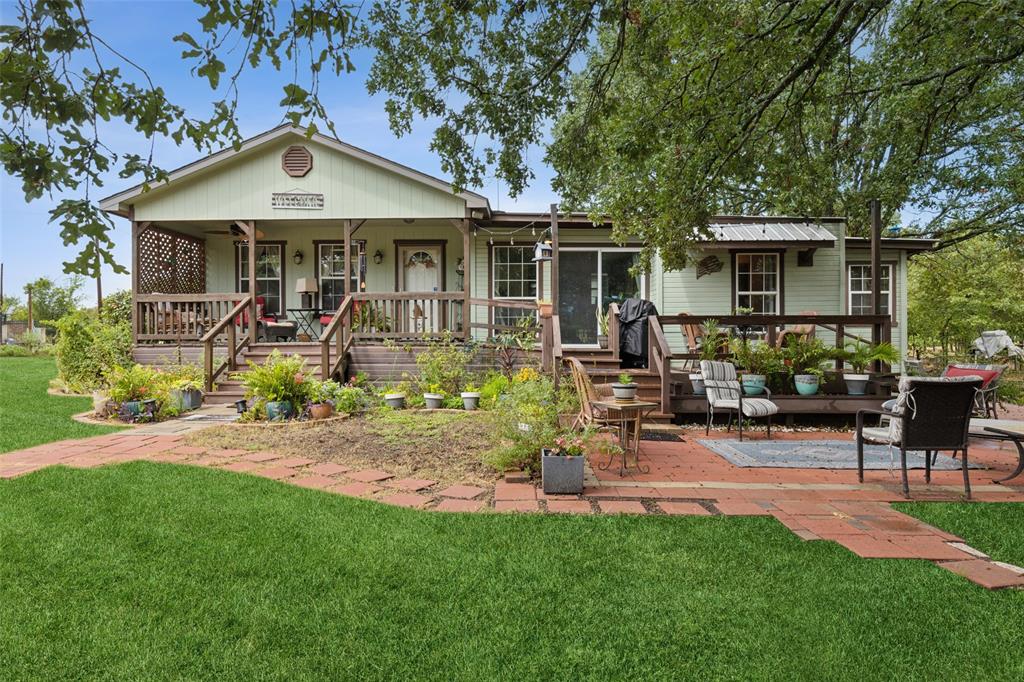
{"type": "Point", "coordinates": [1005, 430]}
{"type": "Point", "coordinates": [306, 319]}
{"type": "Point", "coordinates": [630, 418]}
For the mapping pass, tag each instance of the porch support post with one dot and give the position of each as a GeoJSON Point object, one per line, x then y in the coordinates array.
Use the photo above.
{"type": "Point", "coordinates": [347, 282]}
{"type": "Point", "coordinates": [554, 258]}
{"type": "Point", "coordinates": [467, 277]}
{"type": "Point", "coordinates": [135, 277]}
{"type": "Point", "coordinates": [875, 209]}
{"type": "Point", "coordinates": [249, 228]}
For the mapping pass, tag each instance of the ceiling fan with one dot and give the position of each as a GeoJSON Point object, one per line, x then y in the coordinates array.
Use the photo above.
{"type": "Point", "coordinates": [234, 232]}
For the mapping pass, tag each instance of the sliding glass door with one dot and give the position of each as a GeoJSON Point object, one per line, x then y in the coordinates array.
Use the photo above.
{"type": "Point", "coordinates": [590, 279]}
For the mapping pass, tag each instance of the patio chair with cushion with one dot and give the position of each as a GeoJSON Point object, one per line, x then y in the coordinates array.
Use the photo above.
{"type": "Point", "coordinates": [589, 416]}
{"type": "Point", "coordinates": [986, 400]}
{"type": "Point", "coordinates": [725, 394]}
{"type": "Point", "coordinates": [268, 327]}
{"type": "Point", "coordinates": [930, 414]}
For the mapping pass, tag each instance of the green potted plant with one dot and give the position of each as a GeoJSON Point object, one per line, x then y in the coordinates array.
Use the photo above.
{"type": "Point", "coordinates": [625, 389]}
{"type": "Point", "coordinates": [434, 398]}
{"type": "Point", "coordinates": [562, 465]}
{"type": "Point", "coordinates": [278, 386]}
{"type": "Point", "coordinates": [602, 327]}
{"type": "Point", "coordinates": [470, 397]}
{"type": "Point", "coordinates": [859, 355]}
{"type": "Point", "coordinates": [759, 360]}
{"type": "Point", "coordinates": [806, 358]}
{"type": "Point", "coordinates": [186, 388]}
{"type": "Point", "coordinates": [130, 386]}
{"type": "Point", "coordinates": [320, 398]}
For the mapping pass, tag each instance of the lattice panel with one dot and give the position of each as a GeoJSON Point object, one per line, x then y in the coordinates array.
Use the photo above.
{"type": "Point", "coordinates": [171, 263]}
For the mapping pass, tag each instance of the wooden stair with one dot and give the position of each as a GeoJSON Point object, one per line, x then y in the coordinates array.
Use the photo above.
{"type": "Point", "coordinates": [230, 390]}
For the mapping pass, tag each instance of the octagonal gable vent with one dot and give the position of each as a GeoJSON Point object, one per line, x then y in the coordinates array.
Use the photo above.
{"type": "Point", "coordinates": [297, 161]}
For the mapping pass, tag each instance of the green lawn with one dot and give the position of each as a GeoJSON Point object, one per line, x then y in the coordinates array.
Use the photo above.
{"type": "Point", "coordinates": [29, 415]}
{"type": "Point", "coordinates": [996, 529]}
{"type": "Point", "coordinates": [150, 571]}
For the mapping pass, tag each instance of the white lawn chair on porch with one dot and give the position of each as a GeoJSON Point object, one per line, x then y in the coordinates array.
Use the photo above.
{"type": "Point", "coordinates": [725, 394]}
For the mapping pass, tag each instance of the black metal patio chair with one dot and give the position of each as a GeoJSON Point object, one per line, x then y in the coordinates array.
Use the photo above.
{"type": "Point", "coordinates": [931, 414]}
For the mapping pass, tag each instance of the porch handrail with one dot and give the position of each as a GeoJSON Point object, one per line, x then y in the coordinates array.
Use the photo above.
{"type": "Point", "coordinates": [660, 357]}
{"type": "Point", "coordinates": [336, 329]}
{"type": "Point", "coordinates": [228, 322]}
{"type": "Point", "coordinates": [160, 317]}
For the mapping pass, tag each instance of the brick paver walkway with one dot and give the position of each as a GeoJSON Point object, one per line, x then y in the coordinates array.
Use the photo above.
{"type": "Point", "coordinates": [685, 479]}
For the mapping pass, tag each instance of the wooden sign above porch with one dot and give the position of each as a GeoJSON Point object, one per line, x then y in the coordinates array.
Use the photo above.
{"type": "Point", "coordinates": [304, 200]}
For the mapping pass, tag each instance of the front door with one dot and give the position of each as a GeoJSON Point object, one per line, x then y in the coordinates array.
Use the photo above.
{"type": "Point", "coordinates": [420, 271]}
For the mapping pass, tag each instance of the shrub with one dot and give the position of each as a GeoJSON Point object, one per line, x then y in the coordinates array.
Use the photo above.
{"type": "Point", "coordinates": [134, 382]}
{"type": "Point", "coordinates": [349, 399]}
{"type": "Point", "coordinates": [444, 365]}
{"type": "Point", "coordinates": [117, 308]}
{"type": "Point", "coordinates": [526, 422]}
{"type": "Point", "coordinates": [279, 379]}
{"type": "Point", "coordinates": [88, 349]}
{"type": "Point", "coordinates": [757, 358]}
{"type": "Point", "coordinates": [12, 351]}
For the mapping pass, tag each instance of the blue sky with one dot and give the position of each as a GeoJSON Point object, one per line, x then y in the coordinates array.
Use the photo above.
{"type": "Point", "coordinates": [30, 247]}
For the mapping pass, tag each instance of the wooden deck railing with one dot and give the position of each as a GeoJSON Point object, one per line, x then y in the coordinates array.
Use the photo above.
{"type": "Point", "coordinates": [613, 329]}
{"type": "Point", "coordinates": [226, 325]}
{"type": "Point", "coordinates": [340, 330]}
{"type": "Point", "coordinates": [659, 357]}
{"type": "Point", "coordinates": [406, 315]}
{"type": "Point", "coordinates": [179, 317]}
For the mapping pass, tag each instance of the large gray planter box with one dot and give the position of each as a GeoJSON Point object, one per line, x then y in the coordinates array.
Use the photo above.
{"type": "Point", "coordinates": [561, 475]}
{"type": "Point", "coordinates": [186, 400]}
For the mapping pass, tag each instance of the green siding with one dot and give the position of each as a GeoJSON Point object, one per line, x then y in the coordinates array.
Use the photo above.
{"type": "Point", "coordinates": [241, 188]}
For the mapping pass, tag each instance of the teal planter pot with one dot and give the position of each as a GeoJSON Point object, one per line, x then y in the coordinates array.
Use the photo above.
{"type": "Point", "coordinates": [279, 411]}
{"type": "Point", "coordinates": [806, 384]}
{"type": "Point", "coordinates": [753, 384]}
{"type": "Point", "coordinates": [132, 407]}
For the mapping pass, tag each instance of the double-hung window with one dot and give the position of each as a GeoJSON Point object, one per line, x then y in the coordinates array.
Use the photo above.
{"type": "Point", "coordinates": [330, 260]}
{"type": "Point", "coordinates": [269, 275]}
{"type": "Point", "coordinates": [757, 282]}
{"type": "Point", "coordinates": [860, 289]}
{"type": "Point", "coordinates": [514, 278]}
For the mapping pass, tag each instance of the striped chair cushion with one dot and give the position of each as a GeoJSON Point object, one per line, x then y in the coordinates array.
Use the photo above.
{"type": "Point", "coordinates": [721, 381]}
{"type": "Point", "coordinates": [752, 407]}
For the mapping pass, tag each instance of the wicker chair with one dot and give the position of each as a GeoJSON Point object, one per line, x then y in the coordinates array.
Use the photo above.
{"type": "Point", "coordinates": [796, 331]}
{"type": "Point", "coordinates": [588, 393]}
{"type": "Point", "coordinates": [930, 414]}
{"type": "Point", "coordinates": [724, 393]}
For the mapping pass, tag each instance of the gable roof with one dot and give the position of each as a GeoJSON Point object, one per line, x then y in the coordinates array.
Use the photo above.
{"type": "Point", "coordinates": [118, 203]}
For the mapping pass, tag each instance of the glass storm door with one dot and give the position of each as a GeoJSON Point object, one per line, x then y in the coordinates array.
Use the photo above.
{"type": "Point", "coordinates": [588, 278]}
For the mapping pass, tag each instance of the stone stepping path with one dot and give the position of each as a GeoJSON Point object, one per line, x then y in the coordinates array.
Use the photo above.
{"type": "Point", "coordinates": [859, 518]}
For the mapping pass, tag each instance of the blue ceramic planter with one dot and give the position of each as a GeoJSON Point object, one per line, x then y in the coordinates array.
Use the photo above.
{"type": "Point", "coordinates": [806, 384]}
{"type": "Point", "coordinates": [133, 407]}
{"type": "Point", "coordinates": [753, 384]}
{"type": "Point", "coordinates": [279, 411]}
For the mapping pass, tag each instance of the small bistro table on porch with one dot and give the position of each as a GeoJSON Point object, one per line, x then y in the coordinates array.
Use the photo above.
{"type": "Point", "coordinates": [630, 424]}
{"type": "Point", "coordinates": [1006, 430]}
{"type": "Point", "coordinates": [306, 318]}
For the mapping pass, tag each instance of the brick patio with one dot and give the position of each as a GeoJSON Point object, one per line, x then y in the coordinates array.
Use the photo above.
{"type": "Point", "coordinates": [684, 479]}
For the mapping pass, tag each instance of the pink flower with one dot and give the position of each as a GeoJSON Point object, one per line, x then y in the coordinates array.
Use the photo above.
{"type": "Point", "coordinates": [298, 377]}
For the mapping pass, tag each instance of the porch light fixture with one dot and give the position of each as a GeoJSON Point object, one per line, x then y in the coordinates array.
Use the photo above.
{"type": "Point", "coordinates": [297, 257]}
{"type": "Point", "coordinates": [542, 251]}
{"type": "Point", "coordinates": [378, 257]}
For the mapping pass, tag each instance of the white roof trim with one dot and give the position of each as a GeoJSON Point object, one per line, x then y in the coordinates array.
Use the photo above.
{"type": "Point", "coordinates": [114, 203]}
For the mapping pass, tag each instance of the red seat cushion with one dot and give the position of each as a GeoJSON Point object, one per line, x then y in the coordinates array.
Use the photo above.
{"type": "Point", "coordinates": [326, 319]}
{"type": "Point", "coordinates": [987, 375]}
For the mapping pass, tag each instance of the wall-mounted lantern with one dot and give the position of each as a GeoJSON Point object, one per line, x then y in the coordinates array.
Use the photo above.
{"type": "Point", "coordinates": [297, 257]}
{"type": "Point", "coordinates": [378, 257]}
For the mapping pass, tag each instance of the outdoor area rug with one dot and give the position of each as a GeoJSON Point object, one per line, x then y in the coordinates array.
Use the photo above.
{"type": "Point", "coordinates": [820, 454]}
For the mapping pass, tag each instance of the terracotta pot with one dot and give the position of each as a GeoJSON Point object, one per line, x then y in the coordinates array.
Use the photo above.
{"type": "Point", "coordinates": [545, 309]}
{"type": "Point", "coordinates": [321, 411]}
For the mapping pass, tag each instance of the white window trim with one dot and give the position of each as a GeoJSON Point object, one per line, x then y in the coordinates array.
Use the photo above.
{"type": "Point", "coordinates": [600, 250]}
{"type": "Point", "coordinates": [358, 251]}
{"type": "Point", "coordinates": [242, 249]}
{"type": "Point", "coordinates": [494, 269]}
{"type": "Point", "coordinates": [850, 292]}
{"type": "Point", "coordinates": [777, 292]}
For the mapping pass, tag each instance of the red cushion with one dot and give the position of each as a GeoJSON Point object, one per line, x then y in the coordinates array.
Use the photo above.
{"type": "Point", "coordinates": [987, 375]}
{"type": "Point", "coordinates": [326, 319]}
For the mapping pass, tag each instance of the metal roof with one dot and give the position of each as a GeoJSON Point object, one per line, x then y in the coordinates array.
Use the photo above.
{"type": "Point", "coordinates": [771, 232]}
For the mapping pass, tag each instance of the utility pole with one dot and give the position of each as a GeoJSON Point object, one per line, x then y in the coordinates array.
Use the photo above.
{"type": "Point", "coordinates": [30, 326]}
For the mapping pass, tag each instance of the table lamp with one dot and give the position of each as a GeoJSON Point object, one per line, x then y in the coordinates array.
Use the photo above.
{"type": "Point", "coordinates": [307, 286]}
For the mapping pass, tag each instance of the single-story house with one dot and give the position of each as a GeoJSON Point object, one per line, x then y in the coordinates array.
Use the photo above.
{"type": "Point", "coordinates": [424, 259]}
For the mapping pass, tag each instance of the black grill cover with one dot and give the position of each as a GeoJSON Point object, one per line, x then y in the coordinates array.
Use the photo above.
{"type": "Point", "coordinates": [633, 314]}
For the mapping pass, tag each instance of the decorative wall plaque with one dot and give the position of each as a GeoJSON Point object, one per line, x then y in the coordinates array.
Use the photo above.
{"type": "Point", "coordinates": [708, 265]}
{"type": "Point", "coordinates": [302, 200]}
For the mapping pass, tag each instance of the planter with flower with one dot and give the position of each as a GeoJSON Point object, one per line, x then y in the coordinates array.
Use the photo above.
{"type": "Point", "coordinates": [278, 387]}
{"type": "Point", "coordinates": [320, 398]}
{"type": "Point", "coordinates": [806, 358]}
{"type": "Point", "coordinates": [859, 355]}
{"type": "Point", "coordinates": [758, 361]}
{"type": "Point", "coordinates": [625, 389]}
{"type": "Point", "coordinates": [562, 465]}
{"type": "Point", "coordinates": [135, 391]}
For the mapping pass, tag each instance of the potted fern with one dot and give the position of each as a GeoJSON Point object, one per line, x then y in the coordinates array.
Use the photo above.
{"type": "Point", "coordinates": [806, 358]}
{"type": "Point", "coordinates": [859, 355]}
{"type": "Point", "coordinates": [278, 386]}
{"type": "Point", "coordinates": [602, 327]}
{"type": "Point", "coordinates": [758, 361]}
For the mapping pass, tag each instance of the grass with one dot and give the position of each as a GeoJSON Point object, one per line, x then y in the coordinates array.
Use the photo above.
{"type": "Point", "coordinates": [995, 529]}
{"type": "Point", "coordinates": [443, 445]}
{"type": "Point", "coordinates": [29, 415]}
{"type": "Point", "coordinates": [150, 571]}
